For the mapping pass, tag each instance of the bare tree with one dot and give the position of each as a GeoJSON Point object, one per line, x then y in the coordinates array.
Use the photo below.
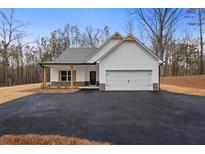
{"type": "Point", "coordinates": [160, 25]}
{"type": "Point", "coordinates": [183, 56]}
{"type": "Point", "coordinates": [129, 28]}
{"type": "Point", "coordinates": [92, 37]}
{"type": "Point", "coordinates": [10, 31]}
{"type": "Point", "coordinates": [19, 59]}
{"type": "Point", "coordinates": [104, 34]}
{"type": "Point", "coordinates": [197, 17]}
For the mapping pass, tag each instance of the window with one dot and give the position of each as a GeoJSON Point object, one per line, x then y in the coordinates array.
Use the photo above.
{"type": "Point", "coordinates": [64, 75]}
{"type": "Point", "coordinates": [69, 75]}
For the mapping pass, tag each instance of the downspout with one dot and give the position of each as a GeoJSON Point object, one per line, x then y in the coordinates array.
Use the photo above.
{"type": "Point", "coordinates": [159, 74]}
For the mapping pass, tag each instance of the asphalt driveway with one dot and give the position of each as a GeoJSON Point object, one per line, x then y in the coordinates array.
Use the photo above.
{"type": "Point", "coordinates": [116, 117]}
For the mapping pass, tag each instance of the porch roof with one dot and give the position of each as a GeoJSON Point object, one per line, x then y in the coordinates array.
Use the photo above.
{"type": "Point", "coordinates": [71, 56]}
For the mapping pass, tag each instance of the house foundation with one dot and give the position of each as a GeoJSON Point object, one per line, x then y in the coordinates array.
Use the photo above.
{"type": "Point", "coordinates": [101, 86]}
{"type": "Point", "coordinates": [155, 87]}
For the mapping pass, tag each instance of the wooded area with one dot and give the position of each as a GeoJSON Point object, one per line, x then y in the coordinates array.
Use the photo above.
{"type": "Point", "coordinates": [182, 55]}
{"type": "Point", "coordinates": [19, 60]}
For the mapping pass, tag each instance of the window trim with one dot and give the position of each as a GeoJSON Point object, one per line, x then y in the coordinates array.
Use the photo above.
{"type": "Point", "coordinates": [68, 76]}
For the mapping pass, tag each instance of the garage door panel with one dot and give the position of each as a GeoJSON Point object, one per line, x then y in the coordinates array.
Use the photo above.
{"type": "Point", "coordinates": [128, 80]}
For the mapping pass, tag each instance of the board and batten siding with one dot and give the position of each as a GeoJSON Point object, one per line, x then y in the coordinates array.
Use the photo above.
{"type": "Point", "coordinates": [129, 56]}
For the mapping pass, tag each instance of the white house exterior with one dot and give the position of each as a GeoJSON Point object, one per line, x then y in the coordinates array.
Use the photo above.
{"type": "Point", "coordinates": [121, 63]}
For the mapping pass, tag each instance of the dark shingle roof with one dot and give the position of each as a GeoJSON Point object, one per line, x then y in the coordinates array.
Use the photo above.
{"type": "Point", "coordinates": [72, 55]}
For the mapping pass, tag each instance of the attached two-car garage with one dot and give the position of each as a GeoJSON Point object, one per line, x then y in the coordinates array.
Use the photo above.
{"type": "Point", "coordinates": [128, 65]}
{"type": "Point", "coordinates": [128, 80]}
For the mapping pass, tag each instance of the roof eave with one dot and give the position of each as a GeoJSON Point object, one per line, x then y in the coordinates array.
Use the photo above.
{"type": "Point", "coordinates": [44, 63]}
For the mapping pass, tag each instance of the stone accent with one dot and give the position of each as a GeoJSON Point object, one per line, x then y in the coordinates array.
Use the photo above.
{"type": "Point", "coordinates": [155, 86]}
{"type": "Point", "coordinates": [79, 83]}
{"type": "Point", "coordinates": [101, 86]}
{"type": "Point", "coordinates": [60, 84]}
{"type": "Point", "coordinates": [97, 83]}
{"type": "Point", "coordinates": [67, 84]}
{"type": "Point", "coordinates": [87, 83]}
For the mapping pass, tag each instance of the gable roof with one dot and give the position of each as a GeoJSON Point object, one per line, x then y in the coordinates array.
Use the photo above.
{"type": "Point", "coordinates": [72, 56]}
{"type": "Point", "coordinates": [116, 36]}
{"type": "Point", "coordinates": [130, 37]}
{"type": "Point", "coordinates": [81, 55]}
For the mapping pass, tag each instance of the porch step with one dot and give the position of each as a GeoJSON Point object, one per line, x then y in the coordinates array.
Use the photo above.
{"type": "Point", "coordinates": [89, 87]}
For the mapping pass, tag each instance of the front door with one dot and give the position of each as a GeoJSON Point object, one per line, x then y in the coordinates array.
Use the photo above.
{"type": "Point", "coordinates": [92, 77]}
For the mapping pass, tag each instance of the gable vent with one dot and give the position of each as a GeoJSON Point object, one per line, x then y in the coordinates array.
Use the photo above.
{"type": "Point", "coordinates": [129, 38]}
{"type": "Point", "coordinates": [117, 37]}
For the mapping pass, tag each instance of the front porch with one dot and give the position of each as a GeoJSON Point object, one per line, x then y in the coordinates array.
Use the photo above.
{"type": "Point", "coordinates": [72, 76]}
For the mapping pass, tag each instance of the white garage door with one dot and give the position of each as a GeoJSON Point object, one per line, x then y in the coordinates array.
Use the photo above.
{"type": "Point", "coordinates": [128, 80]}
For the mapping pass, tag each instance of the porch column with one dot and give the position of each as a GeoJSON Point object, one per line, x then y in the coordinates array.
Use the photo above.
{"type": "Point", "coordinates": [44, 76]}
{"type": "Point", "coordinates": [71, 73]}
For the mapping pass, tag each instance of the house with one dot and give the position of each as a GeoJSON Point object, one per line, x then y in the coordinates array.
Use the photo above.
{"type": "Point", "coordinates": [121, 63]}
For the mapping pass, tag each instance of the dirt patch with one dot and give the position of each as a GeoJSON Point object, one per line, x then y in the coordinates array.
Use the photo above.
{"type": "Point", "coordinates": [53, 90]}
{"type": "Point", "coordinates": [191, 85]}
{"type": "Point", "coordinates": [14, 92]}
{"type": "Point", "coordinates": [183, 90]}
{"type": "Point", "coordinates": [32, 139]}
{"type": "Point", "coordinates": [196, 81]}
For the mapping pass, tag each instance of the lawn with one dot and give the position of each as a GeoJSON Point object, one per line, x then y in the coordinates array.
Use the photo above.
{"type": "Point", "coordinates": [192, 85]}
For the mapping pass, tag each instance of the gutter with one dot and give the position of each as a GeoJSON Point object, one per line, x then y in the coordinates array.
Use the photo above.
{"type": "Point", "coordinates": [42, 64]}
